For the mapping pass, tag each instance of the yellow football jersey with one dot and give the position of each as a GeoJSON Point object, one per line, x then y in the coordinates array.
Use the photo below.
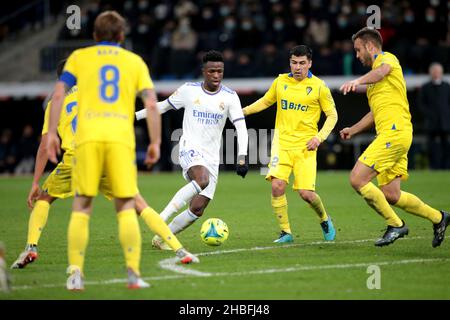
{"type": "Point", "coordinates": [299, 105]}
{"type": "Point", "coordinates": [67, 124]}
{"type": "Point", "coordinates": [108, 78]}
{"type": "Point", "coordinates": [387, 98]}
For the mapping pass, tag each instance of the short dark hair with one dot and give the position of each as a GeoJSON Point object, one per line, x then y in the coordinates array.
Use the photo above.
{"type": "Point", "coordinates": [300, 51]}
{"type": "Point", "coordinates": [109, 26]}
{"type": "Point", "coordinates": [369, 34]}
{"type": "Point", "coordinates": [60, 67]}
{"type": "Point", "coordinates": [212, 55]}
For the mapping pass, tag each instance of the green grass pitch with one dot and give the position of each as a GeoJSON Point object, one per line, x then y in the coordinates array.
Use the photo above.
{"type": "Point", "coordinates": [248, 265]}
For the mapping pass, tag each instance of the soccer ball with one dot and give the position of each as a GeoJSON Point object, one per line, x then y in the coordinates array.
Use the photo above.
{"type": "Point", "coordinates": [214, 232]}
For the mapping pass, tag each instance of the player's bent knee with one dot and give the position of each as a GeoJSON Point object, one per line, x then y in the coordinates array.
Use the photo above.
{"type": "Point", "coordinates": [307, 195]}
{"type": "Point", "coordinates": [202, 182]}
{"type": "Point", "coordinates": [278, 188]}
{"type": "Point", "coordinates": [391, 197]}
{"type": "Point", "coordinates": [198, 211]}
{"type": "Point", "coordinates": [140, 204]}
{"type": "Point", "coordinates": [44, 196]}
{"type": "Point", "coordinates": [356, 182]}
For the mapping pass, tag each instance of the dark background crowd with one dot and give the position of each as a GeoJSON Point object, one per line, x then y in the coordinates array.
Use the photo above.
{"type": "Point", "coordinates": [255, 37]}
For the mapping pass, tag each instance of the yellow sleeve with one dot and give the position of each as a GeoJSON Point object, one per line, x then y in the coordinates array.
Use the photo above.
{"type": "Point", "coordinates": [386, 59]}
{"type": "Point", "coordinates": [329, 124]}
{"type": "Point", "coordinates": [71, 64]}
{"type": "Point", "coordinates": [269, 98]}
{"type": "Point", "coordinates": [325, 98]}
{"type": "Point", "coordinates": [144, 80]}
{"type": "Point", "coordinates": [46, 118]}
{"type": "Point", "coordinates": [271, 95]}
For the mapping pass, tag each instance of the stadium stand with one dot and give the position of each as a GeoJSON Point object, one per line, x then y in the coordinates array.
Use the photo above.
{"type": "Point", "coordinates": [254, 37]}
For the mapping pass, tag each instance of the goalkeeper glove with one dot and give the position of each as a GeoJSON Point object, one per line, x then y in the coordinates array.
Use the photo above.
{"type": "Point", "coordinates": [241, 166]}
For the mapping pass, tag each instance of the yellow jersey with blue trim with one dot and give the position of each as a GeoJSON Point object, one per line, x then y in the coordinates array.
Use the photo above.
{"type": "Point", "coordinates": [387, 98]}
{"type": "Point", "coordinates": [67, 125]}
{"type": "Point", "coordinates": [108, 78]}
{"type": "Point", "coordinates": [299, 105]}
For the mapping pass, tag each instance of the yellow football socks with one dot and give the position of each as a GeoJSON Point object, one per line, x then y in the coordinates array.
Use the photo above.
{"type": "Point", "coordinates": [130, 238]}
{"type": "Point", "coordinates": [318, 207]}
{"type": "Point", "coordinates": [280, 209]}
{"type": "Point", "coordinates": [38, 219]}
{"type": "Point", "coordinates": [376, 199]}
{"type": "Point", "coordinates": [78, 237]}
{"type": "Point", "coordinates": [158, 226]}
{"type": "Point", "coordinates": [412, 204]}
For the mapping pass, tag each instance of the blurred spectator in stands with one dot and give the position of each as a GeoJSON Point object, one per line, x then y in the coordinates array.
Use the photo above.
{"type": "Point", "coordinates": [229, 60]}
{"type": "Point", "coordinates": [431, 27]}
{"type": "Point", "coordinates": [318, 32]}
{"type": "Point", "coordinates": [26, 151]}
{"type": "Point", "coordinates": [208, 28]}
{"type": "Point", "coordinates": [278, 32]}
{"type": "Point", "coordinates": [8, 150]}
{"type": "Point", "coordinates": [144, 35]}
{"type": "Point", "coordinates": [227, 34]}
{"type": "Point", "coordinates": [183, 44]}
{"type": "Point", "coordinates": [245, 66]}
{"type": "Point", "coordinates": [208, 20]}
{"type": "Point", "coordinates": [348, 58]}
{"type": "Point", "coordinates": [435, 107]}
{"type": "Point", "coordinates": [185, 8]}
{"type": "Point", "coordinates": [326, 62]}
{"type": "Point", "coordinates": [342, 29]}
{"type": "Point", "coordinates": [248, 37]}
{"type": "Point", "coordinates": [161, 52]}
{"type": "Point", "coordinates": [162, 13]}
{"type": "Point", "coordinates": [297, 30]}
{"type": "Point", "coordinates": [269, 63]}
{"type": "Point", "coordinates": [405, 38]}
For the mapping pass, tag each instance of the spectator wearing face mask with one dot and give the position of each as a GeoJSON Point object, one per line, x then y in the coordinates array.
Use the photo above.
{"type": "Point", "coordinates": [248, 37]}
{"type": "Point", "coordinates": [227, 33]}
{"type": "Point", "coordinates": [431, 27]}
{"type": "Point", "coordinates": [297, 29]}
{"type": "Point", "coordinates": [278, 32]}
{"type": "Point", "coordinates": [183, 44]}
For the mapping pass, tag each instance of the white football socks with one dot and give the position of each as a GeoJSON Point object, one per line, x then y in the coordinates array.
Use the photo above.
{"type": "Point", "coordinates": [179, 200]}
{"type": "Point", "coordinates": [182, 221]}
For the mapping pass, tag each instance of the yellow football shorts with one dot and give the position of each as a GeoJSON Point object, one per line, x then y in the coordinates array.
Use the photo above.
{"type": "Point", "coordinates": [115, 161]}
{"type": "Point", "coordinates": [59, 183]}
{"type": "Point", "coordinates": [388, 155]}
{"type": "Point", "coordinates": [300, 161]}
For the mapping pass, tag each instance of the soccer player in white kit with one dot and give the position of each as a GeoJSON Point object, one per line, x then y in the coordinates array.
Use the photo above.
{"type": "Point", "coordinates": [207, 106]}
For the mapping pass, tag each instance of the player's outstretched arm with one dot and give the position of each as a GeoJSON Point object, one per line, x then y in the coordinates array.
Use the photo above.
{"type": "Point", "coordinates": [153, 125]}
{"type": "Point", "coordinates": [242, 138]}
{"type": "Point", "coordinates": [39, 167]}
{"type": "Point", "coordinates": [365, 123]}
{"type": "Point", "coordinates": [53, 144]}
{"type": "Point", "coordinates": [370, 77]}
{"type": "Point", "coordinates": [257, 106]}
{"type": "Point", "coordinates": [163, 106]}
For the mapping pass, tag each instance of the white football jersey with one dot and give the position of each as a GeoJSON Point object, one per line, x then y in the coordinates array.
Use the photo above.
{"type": "Point", "coordinates": [205, 115]}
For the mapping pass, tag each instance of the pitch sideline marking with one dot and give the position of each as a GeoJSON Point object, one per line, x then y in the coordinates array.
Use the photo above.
{"type": "Point", "coordinates": [185, 273]}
